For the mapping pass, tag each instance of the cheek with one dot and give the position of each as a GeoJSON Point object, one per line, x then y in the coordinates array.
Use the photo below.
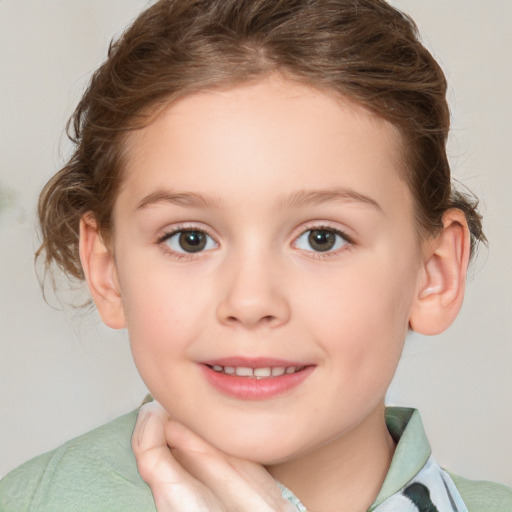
{"type": "Point", "coordinates": [161, 331]}
{"type": "Point", "coordinates": [157, 296]}
{"type": "Point", "coordinates": [363, 316]}
{"type": "Point", "coordinates": [160, 321]}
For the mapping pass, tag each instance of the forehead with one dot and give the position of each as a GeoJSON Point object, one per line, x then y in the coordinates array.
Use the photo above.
{"type": "Point", "coordinates": [265, 135]}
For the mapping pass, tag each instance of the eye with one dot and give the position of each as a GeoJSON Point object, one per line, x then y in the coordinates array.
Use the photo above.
{"type": "Point", "coordinates": [321, 240]}
{"type": "Point", "coordinates": [188, 241]}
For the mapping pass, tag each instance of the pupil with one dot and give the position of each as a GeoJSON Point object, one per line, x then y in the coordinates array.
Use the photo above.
{"type": "Point", "coordinates": [192, 241]}
{"type": "Point", "coordinates": [321, 240]}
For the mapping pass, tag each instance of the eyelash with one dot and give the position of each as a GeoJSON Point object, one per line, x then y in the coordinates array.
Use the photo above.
{"type": "Point", "coordinates": [180, 256]}
{"type": "Point", "coordinates": [348, 241]}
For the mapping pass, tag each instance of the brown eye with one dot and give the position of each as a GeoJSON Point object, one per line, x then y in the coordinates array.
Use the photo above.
{"type": "Point", "coordinates": [321, 240]}
{"type": "Point", "coordinates": [192, 241]}
{"type": "Point", "coordinates": [189, 241]}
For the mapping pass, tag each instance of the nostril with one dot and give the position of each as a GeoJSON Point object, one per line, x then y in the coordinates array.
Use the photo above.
{"type": "Point", "coordinates": [241, 306]}
{"type": "Point", "coordinates": [267, 319]}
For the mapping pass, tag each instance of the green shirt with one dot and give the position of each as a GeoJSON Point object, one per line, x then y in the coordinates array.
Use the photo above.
{"type": "Point", "coordinates": [97, 472]}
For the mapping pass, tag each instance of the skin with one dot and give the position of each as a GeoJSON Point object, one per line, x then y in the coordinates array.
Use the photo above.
{"type": "Point", "coordinates": [259, 289]}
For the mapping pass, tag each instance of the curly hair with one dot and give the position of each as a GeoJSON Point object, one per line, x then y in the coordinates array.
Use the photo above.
{"type": "Point", "coordinates": [365, 50]}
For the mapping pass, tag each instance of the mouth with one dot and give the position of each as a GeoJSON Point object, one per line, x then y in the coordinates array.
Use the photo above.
{"type": "Point", "coordinates": [265, 372]}
{"type": "Point", "coordinates": [255, 379]}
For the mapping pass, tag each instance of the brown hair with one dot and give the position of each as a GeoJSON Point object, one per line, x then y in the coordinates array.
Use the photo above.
{"type": "Point", "coordinates": [362, 49]}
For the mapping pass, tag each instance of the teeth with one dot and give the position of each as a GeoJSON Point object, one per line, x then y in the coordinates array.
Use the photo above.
{"type": "Point", "coordinates": [244, 372]}
{"type": "Point", "coordinates": [262, 372]}
{"type": "Point", "coordinates": [259, 373]}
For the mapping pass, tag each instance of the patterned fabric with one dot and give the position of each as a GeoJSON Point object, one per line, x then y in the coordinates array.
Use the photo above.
{"type": "Point", "coordinates": [287, 494]}
{"type": "Point", "coordinates": [431, 490]}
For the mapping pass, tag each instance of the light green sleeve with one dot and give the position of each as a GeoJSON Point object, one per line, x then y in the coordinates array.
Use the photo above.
{"type": "Point", "coordinates": [18, 488]}
{"type": "Point", "coordinates": [480, 496]}
{"type": "Point", "coordinates": [95, 472]}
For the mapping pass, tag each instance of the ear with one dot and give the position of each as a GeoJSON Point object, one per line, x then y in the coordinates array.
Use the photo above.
{"type": "Point", "coordinates": [443, 279]}
{"type": "Point", "coordinates": [100, 273]}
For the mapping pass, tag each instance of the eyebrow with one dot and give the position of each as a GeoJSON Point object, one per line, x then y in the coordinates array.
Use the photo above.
{"type": "Point", "coordinates": [179, 199]}
{"type": "Point", "coordinates": [296, 199]}
{"type": "Point", "coordinates": [315, 197]}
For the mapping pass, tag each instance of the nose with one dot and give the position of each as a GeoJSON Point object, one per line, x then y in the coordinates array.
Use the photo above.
{"type": "Point", "coordinates": [253, 293]}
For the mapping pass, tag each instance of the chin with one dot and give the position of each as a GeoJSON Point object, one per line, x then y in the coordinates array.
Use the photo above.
{"type": "Point", "coordinates": [266, 452]}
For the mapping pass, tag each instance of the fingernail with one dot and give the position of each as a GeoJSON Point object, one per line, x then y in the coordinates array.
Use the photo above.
{"type": "Point", "coordinates": [142, 427]}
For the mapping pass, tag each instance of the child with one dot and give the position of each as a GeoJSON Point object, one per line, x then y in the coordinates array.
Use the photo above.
{"type": "Point", "coordinates": [260, 194]}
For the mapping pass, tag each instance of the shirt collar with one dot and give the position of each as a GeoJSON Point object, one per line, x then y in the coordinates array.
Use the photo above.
{"type": "Point", "coordinates": [411, 453]}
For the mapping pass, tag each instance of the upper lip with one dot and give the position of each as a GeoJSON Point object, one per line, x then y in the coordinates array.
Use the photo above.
{"type": "Point", "coordinates": [253, 362]}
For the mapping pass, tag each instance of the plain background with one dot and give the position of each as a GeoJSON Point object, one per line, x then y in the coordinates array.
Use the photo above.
{"type": "Point", "coordinates": [63, 373]}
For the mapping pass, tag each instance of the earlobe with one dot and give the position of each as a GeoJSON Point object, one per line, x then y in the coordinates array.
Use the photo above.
{"type": "Point", "coordinates": [100, 272]}
{"type": "Point", "coordinates": [442, 281]}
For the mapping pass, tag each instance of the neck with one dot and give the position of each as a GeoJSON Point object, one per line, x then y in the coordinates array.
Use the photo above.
{"type": "Point", "coordinates": [349, 470]}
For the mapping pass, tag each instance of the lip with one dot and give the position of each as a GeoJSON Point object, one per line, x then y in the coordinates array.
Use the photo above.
{"type": "Point", "coordinates": [253, 362]}
{"type": "Point", "coordinates": [247, 388]}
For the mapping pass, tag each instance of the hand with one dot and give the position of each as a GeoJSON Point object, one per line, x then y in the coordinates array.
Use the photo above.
{"type": "Point", "coordinates": [186, 474]}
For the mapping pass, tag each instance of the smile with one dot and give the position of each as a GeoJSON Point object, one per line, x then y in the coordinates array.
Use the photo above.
{"type": "Point", "coordinates": [255, 379]}
{"type": "Point", "coordinates": [257, 373]}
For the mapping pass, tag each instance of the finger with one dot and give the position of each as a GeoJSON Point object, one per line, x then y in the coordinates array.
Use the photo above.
{"type": "Point", "coordinates": [173, 488]}
{"type": "Point", "coordinates": [239, 484]}
{"type": "Point", "coordinates": [149, 444]}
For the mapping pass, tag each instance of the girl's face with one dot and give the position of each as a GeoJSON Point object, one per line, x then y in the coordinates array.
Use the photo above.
{"type": "Point", "coordinates": [259, 228]}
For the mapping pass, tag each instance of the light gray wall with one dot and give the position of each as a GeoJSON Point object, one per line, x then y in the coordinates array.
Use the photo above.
{"type": "Point", "coordinates": [63, 373]}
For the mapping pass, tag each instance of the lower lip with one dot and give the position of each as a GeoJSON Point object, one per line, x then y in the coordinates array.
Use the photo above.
{"type": "Point", "coordinates": [250, 388]}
